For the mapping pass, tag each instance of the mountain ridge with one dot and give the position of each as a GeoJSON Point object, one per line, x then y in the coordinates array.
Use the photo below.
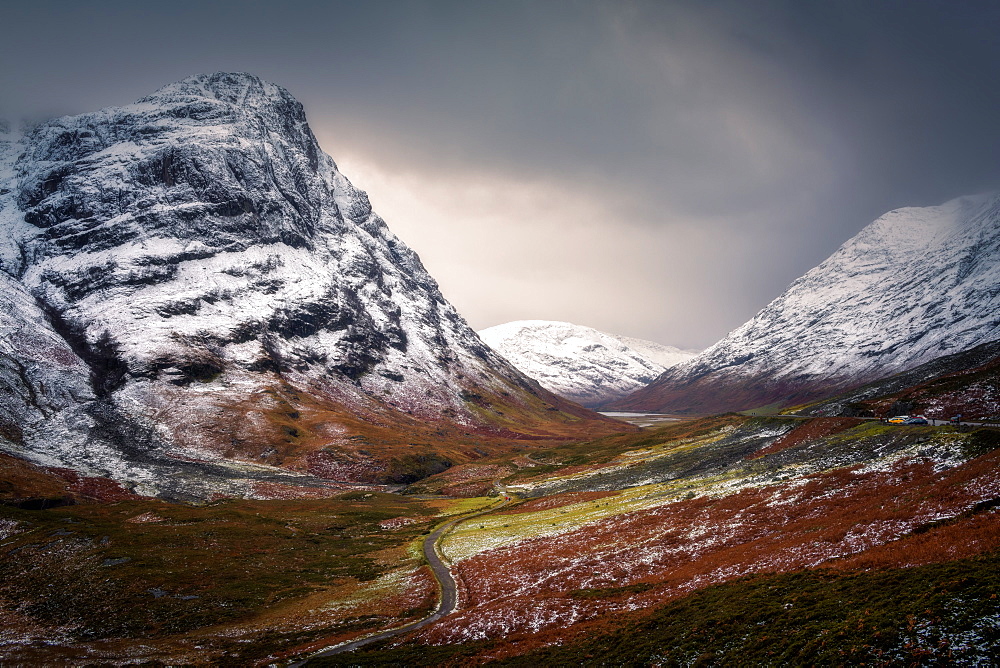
{"type": "Point", "coordinates": [915, 284]}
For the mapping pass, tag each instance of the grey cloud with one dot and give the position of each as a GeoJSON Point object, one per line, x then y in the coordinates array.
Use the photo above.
{"type": "Point", "coordinates": [746, 139]}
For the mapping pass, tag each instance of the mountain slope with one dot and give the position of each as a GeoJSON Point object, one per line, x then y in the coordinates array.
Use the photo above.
{"type": "Point", "coordinates": [965, 383]}
{"type": "Point", "coordinates": [235, 299]}
{"type": "Point", "coordinates": [916, 284]}
{"type": "Point", "coordinates": [665, 356]}
{"type": "Point", "coordinates": [581, 363]}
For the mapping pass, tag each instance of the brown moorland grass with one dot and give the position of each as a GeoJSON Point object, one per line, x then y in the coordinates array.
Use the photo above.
{"type": "Point", "coordinates": [574, 456]}
{"type": "Point", "coordinates": [526, 591]}
{"type": "Point", "coordinates": [21, 480]}
{"type": "Point", "coordinates": [24, 483]}
{"type": "Point", "coordinates": [936, 614]}
{"type": "Point", "coordinates": [231, 581]}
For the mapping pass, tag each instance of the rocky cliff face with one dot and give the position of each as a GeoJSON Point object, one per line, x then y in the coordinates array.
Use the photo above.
{"type": "Point", "coordinates": [916, 284]}
{"type": "Point", "coordinates": [214, 289]}
{"type": "Point", "coordinates": [581, 363]}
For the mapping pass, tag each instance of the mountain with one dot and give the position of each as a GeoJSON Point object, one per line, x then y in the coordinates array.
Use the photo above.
{"type": "Point", "coordinates": [580, 363]}
{"type": "Point", "coordinates": [665, 356]}
{"type": "Point", "coordinates": [916, 284]}
{"type": "Point", "coordinates": [199, 302]}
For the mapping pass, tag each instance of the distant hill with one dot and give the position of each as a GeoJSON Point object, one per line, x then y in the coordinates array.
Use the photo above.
{"type": "Point", "coordinates": [581, 363]}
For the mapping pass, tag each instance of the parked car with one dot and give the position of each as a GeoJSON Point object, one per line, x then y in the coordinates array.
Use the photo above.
{"type": "Point", "coordinates": [915, 420]}
{"type": "Point", "coordinates": [899, 419]}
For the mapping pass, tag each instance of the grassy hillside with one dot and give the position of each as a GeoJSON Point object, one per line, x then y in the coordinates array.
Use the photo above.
{"type": "Point", "coordinates": [226, 582]}
{"type": "Point", "coordinates": [929, 615]}
{"type": "Point", "coordinates": [966, 383]}
{"type": "Point", "coordinates": [637, 549]}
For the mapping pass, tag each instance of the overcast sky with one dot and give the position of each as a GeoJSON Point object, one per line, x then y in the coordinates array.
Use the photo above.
{"type": "Point", "coordinates": [655, 169]}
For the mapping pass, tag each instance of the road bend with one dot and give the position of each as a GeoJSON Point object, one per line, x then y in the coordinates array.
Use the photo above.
{"type": "Point", "coordinates": [446, 582]}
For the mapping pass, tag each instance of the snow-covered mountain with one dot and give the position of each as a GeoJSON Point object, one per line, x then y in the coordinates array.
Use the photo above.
{"type": "Point", "coordinates": [916, 284]}
{"type": "Point", "coordinates": [190, 278]}
{"type": "Point", "coordinates": [665, 356]}
{"type": "Point", "coordinates": [581, 363]}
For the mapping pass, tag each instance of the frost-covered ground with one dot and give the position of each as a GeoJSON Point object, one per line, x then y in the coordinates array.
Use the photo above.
{"type": "Point", "coordinates": [821, 501]}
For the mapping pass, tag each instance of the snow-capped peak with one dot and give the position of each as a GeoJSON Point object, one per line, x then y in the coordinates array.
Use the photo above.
{"type": "Point", "coordinates": [581, 363]}
{"type": "Point", "coordinates": [232, 293]}
{"type": "Point", "coordinates": [916, 284]}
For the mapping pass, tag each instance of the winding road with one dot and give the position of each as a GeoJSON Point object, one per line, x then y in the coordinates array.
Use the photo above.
{"type": "Point", "coordinates": [446, 582]}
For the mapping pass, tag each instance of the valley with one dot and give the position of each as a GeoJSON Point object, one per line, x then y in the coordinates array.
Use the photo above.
{"type": "Point", "coordinates": [240, 425]}
{"type": "Point", "coordinates": [598, 548]}
{"type": "Point", "coordinates": [602, 536]}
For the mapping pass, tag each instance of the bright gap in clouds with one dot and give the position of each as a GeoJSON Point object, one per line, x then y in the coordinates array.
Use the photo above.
{"type": "Point", "coordinates": [504, 248]}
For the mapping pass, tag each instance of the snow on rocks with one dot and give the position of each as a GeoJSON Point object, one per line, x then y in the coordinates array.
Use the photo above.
{"type": "Point", "coordinates": [9, 527]}
{"type": "Point", "coordinates": [397, 523]}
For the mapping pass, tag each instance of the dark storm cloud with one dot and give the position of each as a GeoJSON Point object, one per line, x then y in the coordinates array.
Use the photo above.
{"type": "Point", "coordinates": [678, 163]}
{"type": "Point", "coordinates": [904, 85]}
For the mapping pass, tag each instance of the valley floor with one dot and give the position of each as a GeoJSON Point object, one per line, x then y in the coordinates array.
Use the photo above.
{"type": "Point", "coordinates": [714, 538]}
{"type": "Point", "coordinates": [732, 539]}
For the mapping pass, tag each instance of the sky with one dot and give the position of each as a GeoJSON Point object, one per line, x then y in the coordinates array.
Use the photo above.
{"type": "Point", "coordinates": [660, 170]}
